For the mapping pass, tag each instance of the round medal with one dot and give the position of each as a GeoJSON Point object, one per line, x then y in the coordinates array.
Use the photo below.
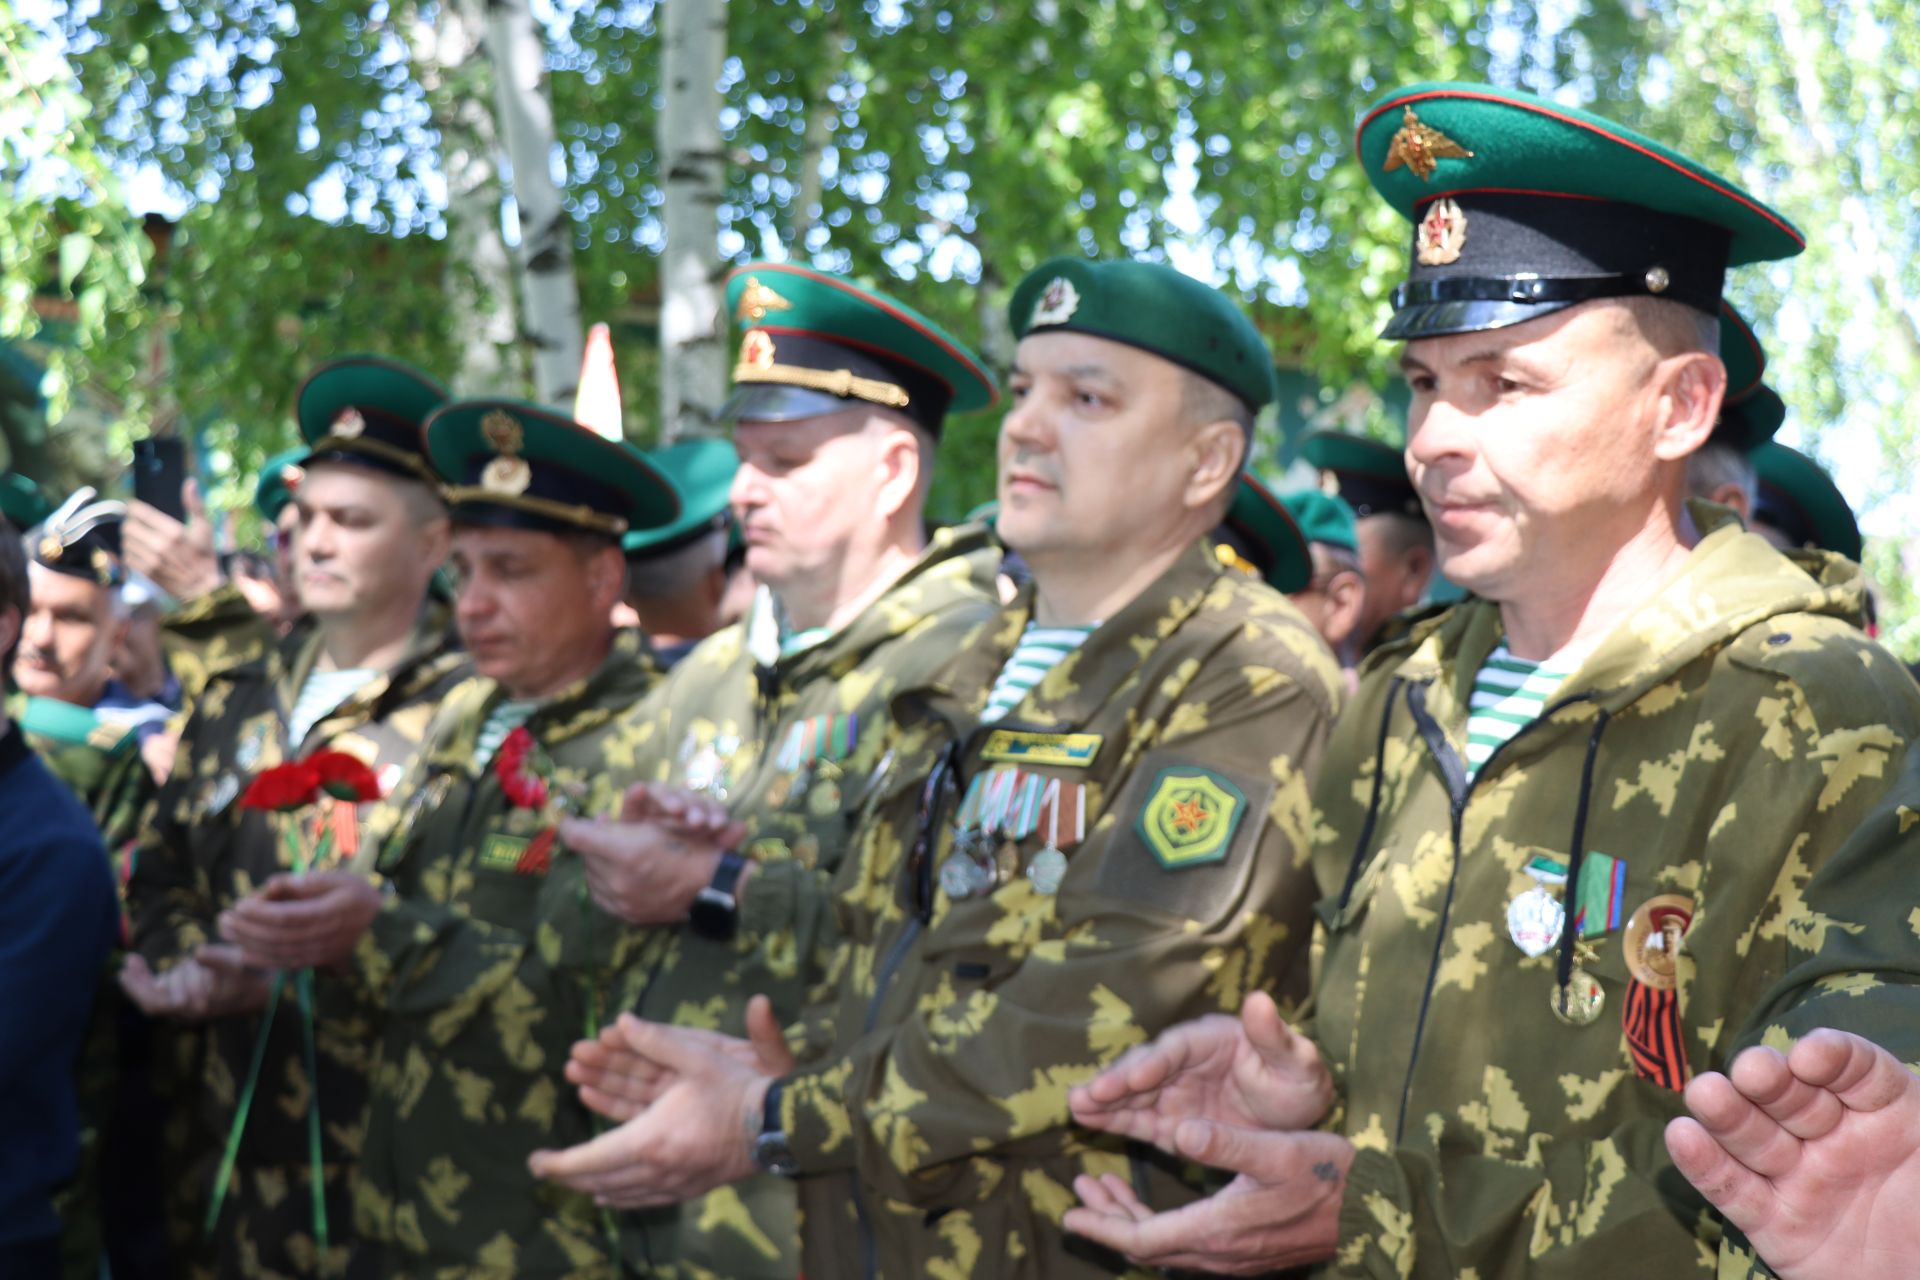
{"type": "Point", "coordinates": [956, 876]}
{"type": "Point", "coordinates": [1651, 943]}
{"type": "Point", "coordinates": [823, 798]}
{"type": "Point", "coordinates": [1578, 1004]}
{"type": "Point", "coordinates": [1534, 921]}
{"type": "Point", "coordinates": [1047, 869]}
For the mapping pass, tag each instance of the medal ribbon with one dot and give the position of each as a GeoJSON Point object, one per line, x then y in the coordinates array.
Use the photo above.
{"type": "Point", "coordinates": [1026, 806]}
{"type": "Point", "coordinates": [997, 799]}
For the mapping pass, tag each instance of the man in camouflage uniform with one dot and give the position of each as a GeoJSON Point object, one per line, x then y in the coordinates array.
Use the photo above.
{"type": "Point", "coordinates": [364, 681]}
{"type": "Point", "coordinates": [485, 960]}
{"type": "Point", "coordinates": [1093, 823]}
{"type": "Point", "coordinates": [1584, 840]}
{"type": "Point", "coordinates": [781, 717]}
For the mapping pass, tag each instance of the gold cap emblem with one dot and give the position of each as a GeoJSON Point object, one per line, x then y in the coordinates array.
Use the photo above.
{"type": "Point", "coordinates": [506, 474]}
{"type": "Point", "coordinates": [51, 548]}
{"type": "Point", "coordinates": [347, 424]}
{"type": "Point", "coordinates": [1056, 305]}
{"type": "Point", "coordinates": [756, 350]}
{"type": "Point", "coordinates": [1420, 147]}
{"type": "Point", "coordinates": [1442, 234]}
{"type": "Point", "coordinates": [503, 432]}
{"type": "Point", "coordinates": [756, 300]}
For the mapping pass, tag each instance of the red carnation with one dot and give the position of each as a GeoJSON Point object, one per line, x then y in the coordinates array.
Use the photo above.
{"type": "Point", "coordinates": [344, 776]}
{"type": "Point", "coordinates": [292, 785]}
{"type": "Point", "coordinates": [522, 786]}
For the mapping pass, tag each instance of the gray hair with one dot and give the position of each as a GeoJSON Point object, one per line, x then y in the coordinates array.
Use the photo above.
{"type": "Point", "coordinates": [1715, 465]}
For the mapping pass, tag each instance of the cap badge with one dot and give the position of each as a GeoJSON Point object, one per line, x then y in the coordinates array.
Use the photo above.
{"type": "Point", "coordinates": [293, 476]}
{"type": "Point", "coordinates": [1056, 305]}
{"type": "Point", "coordinates": [507, 474]}
{"type": "Point", "coordinates": [1420, 147]}
{"type": "Point", "coordinates": [1330, 484]}
{"type": "Point", "coordinates": [51, 548]}
{"type": "Point", "coordinates": [756, 350]}
{"type": "Point", "coordinates": [757, 299]}
{"type": "Point", "coordinates": [347, 424]}
{"type": "Point", "coordinates": [1442, 234]}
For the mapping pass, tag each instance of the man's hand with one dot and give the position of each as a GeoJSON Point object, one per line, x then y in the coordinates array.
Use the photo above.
{"type": "Point", "coordinates": [619, 1084]}
{"type": "Point", "coordinates": [1254, 1072]}
{"type": "Point", "coordinates": [690, 1134]}
{"type": "Point", "coordinates": [648, 867]}
{"type": "Point", "coordinates": [1283, 1209]}
{"type": "Point", "coordinates": [158, 752]}
{"type": "Point", "coordinates": [302, 921]}
{"type": "Point", "coordinates": [214, 982]}
{"type": "Point", "coordinates": [178, 557]}
{"type": "Point", "coordinates": [1814, 1155]}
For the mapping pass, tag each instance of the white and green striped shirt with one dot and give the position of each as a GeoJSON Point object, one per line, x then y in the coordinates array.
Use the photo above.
{"type": "Point", "coordinates": [321, 696]}
{"type": "Point", "coordinates": [1040, 650]}
{"type": "Point", "coordinates": [1509, 694]}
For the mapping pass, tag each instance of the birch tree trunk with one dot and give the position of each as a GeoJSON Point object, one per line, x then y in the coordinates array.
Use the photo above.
{"type": "Point", "coordinates": [693, 327]}
{"type": "Point", "coordinates": [549, 295]}
{"type": "Point", "coordinates": [479, 278]}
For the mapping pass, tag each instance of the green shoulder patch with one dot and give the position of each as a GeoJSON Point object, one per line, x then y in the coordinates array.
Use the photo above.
{"type": "Point", "coordinates": [1190, 816]}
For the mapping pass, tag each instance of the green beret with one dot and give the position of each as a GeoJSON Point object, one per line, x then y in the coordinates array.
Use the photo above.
{"type": "Point", "coordinates": [506, 462]}
{"type": "Point", "coordinates": [701, 473]}
{"type": "Point", "coordinates": [1258, 536]}
{"type": "Point", "coordinates": [280, 476]}
{"type": "Point", "coordinates": [1155, 308]}
{"type": "Point", "coordinates": [1323, 518]}
{"type": "Point", "coordinates": [1369, 476]}
{"type": "Point", "coordinates": [1522, 207]}
{"type": "Point", "coordinates": [368, 410]}
{"type": "Point", "coordinates": [1799, 499]}
{"type": "Point", "coordinates": [22, 502]}
{"type": "Point", "coordinates": [815, 343]}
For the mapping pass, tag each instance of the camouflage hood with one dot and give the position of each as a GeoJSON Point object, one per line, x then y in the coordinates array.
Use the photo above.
{"type": "Point", "coordinates": [1733, 581]}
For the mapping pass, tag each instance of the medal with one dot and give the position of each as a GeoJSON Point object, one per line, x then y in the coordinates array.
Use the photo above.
{"type": "Point", "coordinates": [1651, 944]}
{"type": "Point", "coordinates": [1047, 869]}
{"type": "Point", "coordinates": [823, 798]}
{"type": "Point", "coordinates": [956, 877]}
{"type": "Point", "coordinates": [1536, 918]}
{"type": "Point", "coordinates": [779, 789]}
{"type": "Point", "coordinates": [1578, 1004]}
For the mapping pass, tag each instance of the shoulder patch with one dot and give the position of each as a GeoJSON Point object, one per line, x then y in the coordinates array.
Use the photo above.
{"type": "Point", "coordinates": [1189, 817]}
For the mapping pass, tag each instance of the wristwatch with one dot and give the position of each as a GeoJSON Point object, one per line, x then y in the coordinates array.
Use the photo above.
{"type": "Point", "coordinates": [770, 1150]}
{"type": "Point", "coordinates": [716, 908]}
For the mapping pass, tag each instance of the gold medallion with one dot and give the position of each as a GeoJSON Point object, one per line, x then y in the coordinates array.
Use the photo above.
{"type": "Point", "coordinates": [1651, 943]}
{"type": "Point", "coordinates": [1579, 1003]}
{"type": "Point", "coordinates": [503, 432]}
{"type": "Point", "coordinates": [1441, 235]}
{"type": "Point", "coordinates": [1420, 147]}
{"type": "Point", "coordinates": [506, 475]}
{"type": "Point", "coordinates": [756, 300]}
{"type": "Point", "coordinates": [756, 350]}
{"type": "Point", "coordinates": [1056, 305]}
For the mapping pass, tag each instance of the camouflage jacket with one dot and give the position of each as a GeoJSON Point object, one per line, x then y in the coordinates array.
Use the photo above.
{"type": "Point", "coordinates": [929, 1115]}
{"type": "Point", "coordinates": [486, 964]}
{"type": "Point", "coordinates": [99, 759]}
{"type": "Point", "coordinates": [789, 743]}
{"type": "Point", "coordinates": [200, 851]}
{"type": "Point", "coordinates": [1707, 766]}
{"type": "Point", "coordinates": [212, 633]}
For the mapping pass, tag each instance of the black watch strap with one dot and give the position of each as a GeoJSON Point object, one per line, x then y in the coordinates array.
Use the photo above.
{"type": "Point", "coordinates": [771, 1151]}
{"type": "Point", "coordinates": [716, 909]}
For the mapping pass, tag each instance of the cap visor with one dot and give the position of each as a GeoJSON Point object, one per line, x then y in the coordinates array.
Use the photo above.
{"type": "Point", "coordinates": [776, 402]}
{"type": "Point", "coordinates": [1438, 319]}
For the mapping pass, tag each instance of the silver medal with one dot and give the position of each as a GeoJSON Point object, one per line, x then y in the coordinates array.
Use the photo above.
{"type": "Point", "coordinates": [956, 876]}
{"type": "Point", "coordinates": [1047, 869]}
{"type": "Point", "coordinates": [1534, 921]}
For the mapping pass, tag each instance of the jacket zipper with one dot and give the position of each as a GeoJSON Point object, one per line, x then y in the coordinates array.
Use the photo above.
{"type": "Point", "coordinates": [1453, 773]}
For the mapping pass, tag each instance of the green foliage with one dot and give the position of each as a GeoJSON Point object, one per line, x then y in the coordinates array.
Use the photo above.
{"type": "Point", "coordinates": [940, 150]}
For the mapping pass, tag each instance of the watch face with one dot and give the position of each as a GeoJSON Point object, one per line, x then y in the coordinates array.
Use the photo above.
{"type": "Point", "coordinates": [713, 915]}
{"type": "Point", "coordinates": [771, 1153]}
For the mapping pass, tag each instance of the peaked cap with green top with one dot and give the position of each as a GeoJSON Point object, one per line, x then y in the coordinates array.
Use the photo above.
{"type": "Point", "coordinates": [520, 465]}
{"type": "Point", "coordinates": [1260, 538]}
{"type": "Point", "coordinates": [280, 478]}
{"type": "Point", "coordinates": [1798, 498]}
{"type": "Point", "coordinates": [1369, 476]}
{"type": "Point", "coordinates": [1153, 307]}
{"type": "Point", "coordinates": [22, 501]}
{"type": "Point", "coordinates": [368, 410]}
{"type": "Point", "coordinates": [1323, 517]}
{"type": "Point", "coordinates": [701, 473]}
{"type": "Point", "coordinates": [815, 343]}
{"type": "Point", "coordinates": [1751, 412]}
{"type": "Point", "coordinates": [1522, 207]}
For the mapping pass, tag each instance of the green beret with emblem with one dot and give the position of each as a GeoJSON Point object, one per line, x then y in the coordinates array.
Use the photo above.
{"type": "Point", "coordinates": [1322, 517]}
{"type": "Point", "coordinates": [1797, 498]}
{"type": "Point", "coordinates": [1522, 207]}
{"type": "Point", "coordinates": [81, 538]}
{"type": "Point", "coordinates": [520, 465]}
{"type": "Point", "coordinates": [280, 478]}
{"type": "Point", "coordinates": [1260, 537]}
{"type": "Point", "coordinates": [1150, 306]}
{"type": "Point", "coordinates": [1750, 413]}
{"type": "Point", "coordinates": [22, 502]}
{"type": "Point", "coordinates": [701, 473]}
{"type": "Point", "coordinates": [815, 343]}
{"type": "Point", "coordinates": [368, 410]}
{"type": "Point", "coordinates": [1369, 476]}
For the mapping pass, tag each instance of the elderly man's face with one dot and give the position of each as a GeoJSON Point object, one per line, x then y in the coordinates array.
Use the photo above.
{"type": "Point", "coordinates": [68, 639]}
{"type": "Point", "coordinates": [533, 608]}
{"type": "Point", "coordinates": [1093, 457]}
{"type": "Point", "coordinates": [1533, 447]}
